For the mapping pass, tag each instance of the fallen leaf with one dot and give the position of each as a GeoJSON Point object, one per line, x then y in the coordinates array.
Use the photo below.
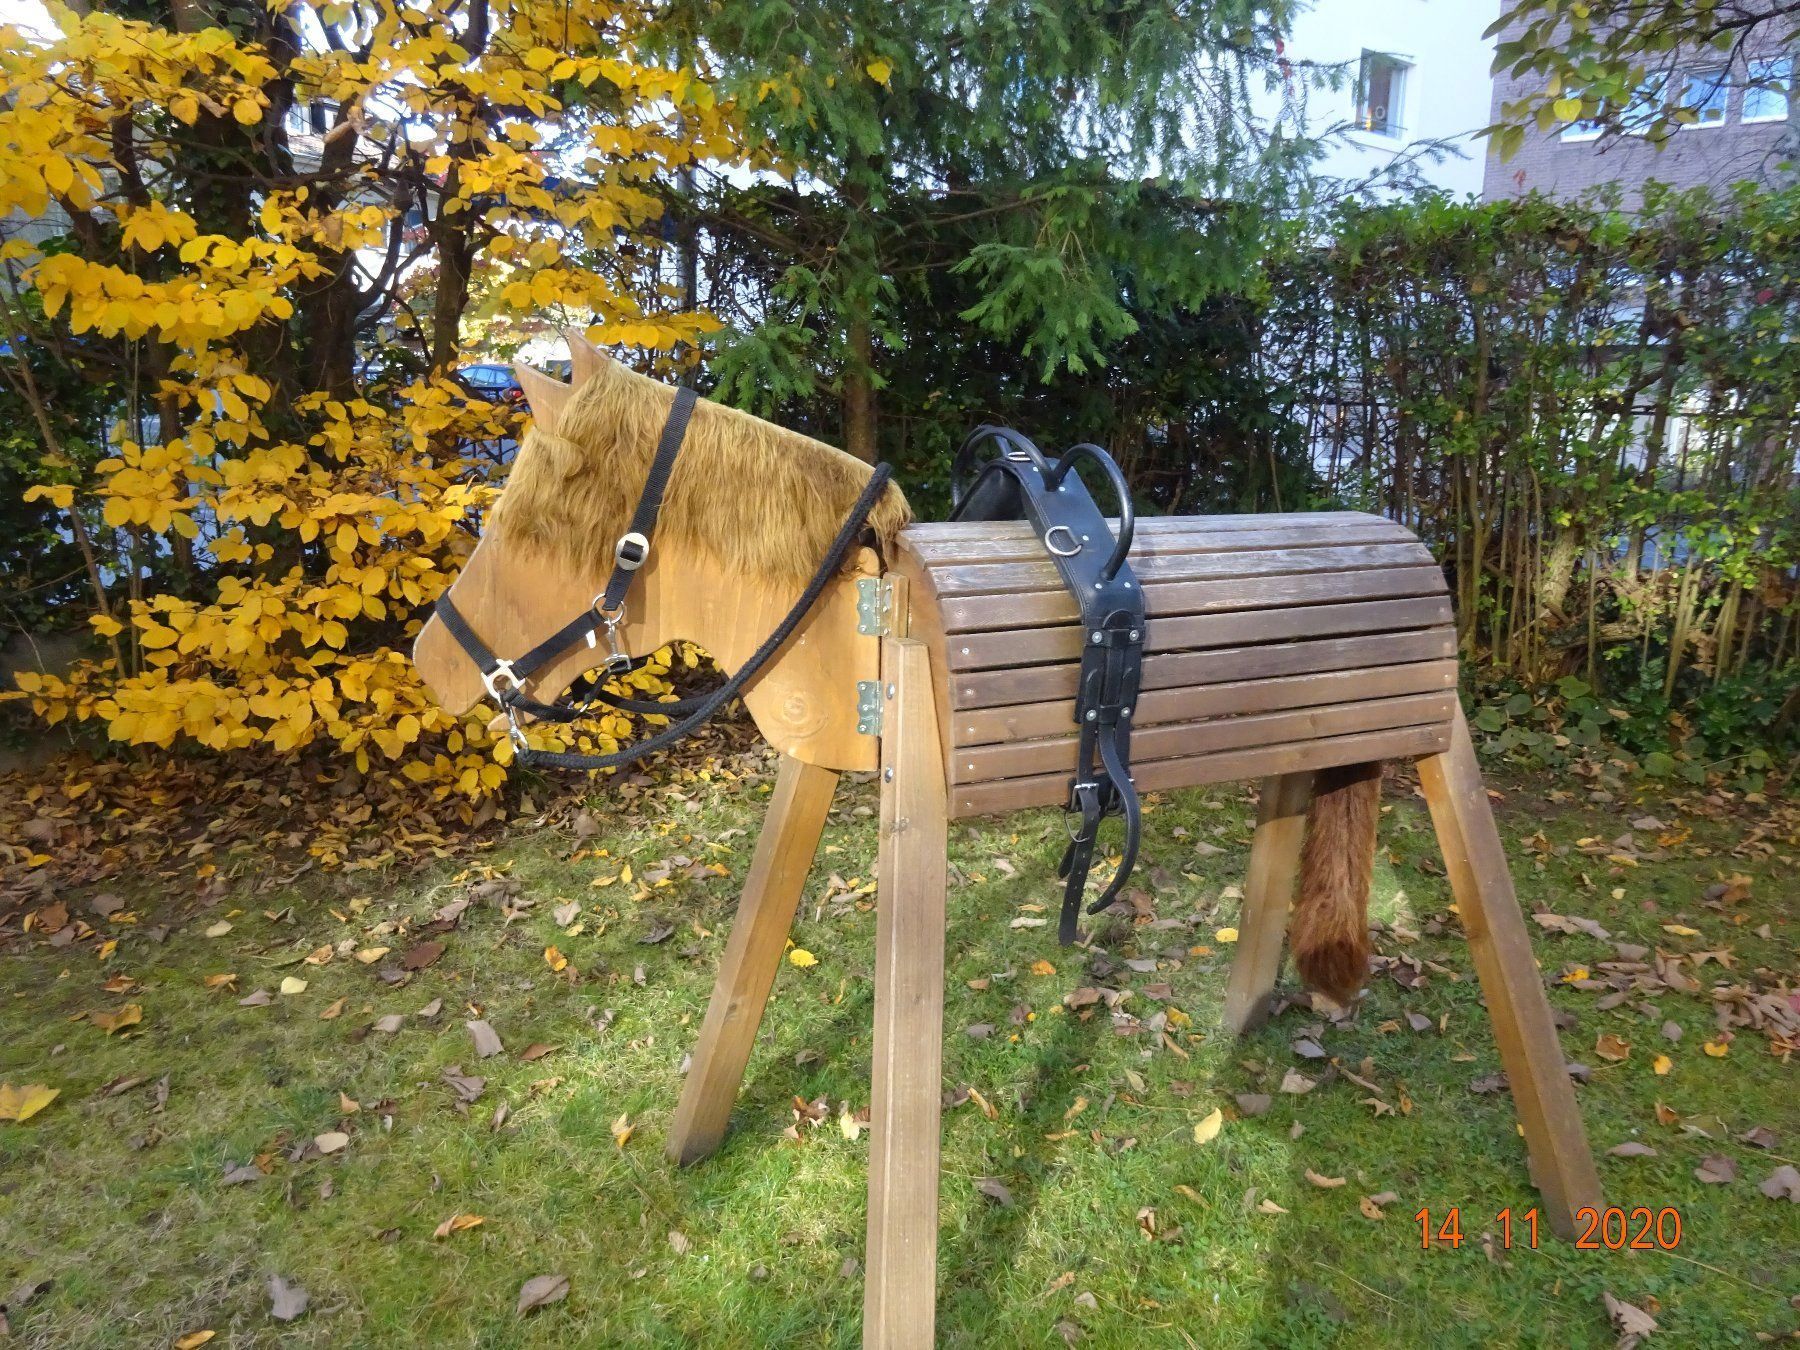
{"type": "Point", "coordinates": [421, 955]}
{"type": "Point", "coordinates": [1632, 1323]}
{"type": "Point", "coordinates": [1042, 967]}
{"type": "Point", "coordinates": [995, 1189]}
{"type": "Point", "coordinates": [220, 981]}
{"type": "Point", "coordinates": [286, 1301]}
{"type": "Point", "coordinates": [566, 913]}
{"type": "Point", "coordinates": [1631, 1149]}
{"type": "Point", "coordinates": [1717, 1049]}
{"type": "Point", "coordinates": [1609, 1046]}
{"type": "Point", "coordinates": [335, 1010]}
{"type": "Point", "coordinates": [260, 998]}
{"type": "Point", "coordinates": [1661, 1065]}
{"type": "Point", "coordinates": [193, 1340]}
{"type": "Point", "coordinates": [219, 929]}
{"type": "Point", "coordinates": [370, 955]}
{"type": "Point", "coordinates": [457, 1223]}
{"type": "Point", "coordinates": [680, 1241]}
{"type": "Point", "coordinates": [390, 1023]}
{"type": "Point", "coordinates": [540, 1290]}
{"type": "Point", "coordinates": [347, 1104]}
{"type": "Point", "coordinates": [555, 959]}
{"type": "Point", "coordinates": [536, 1051]}
{"type": "Point", "coordinates": [1295, 1083]}
{"type": "Point", "coordinates": [1254, 1103]}
{"type": "Point", "coordinates": [487, 1043]}
{"type": "Point", "coordinates": [128, 1016]}
{"type": "Point", "coordinates": [621, 1130]}
{"type": "Point", "coordinates": [293, 984]}
{"type": "Point", "coordinates": [1716, 1169]}
{"type": "Point", "coordinates": [1225, 935]}
{"type": "Point", "coordinates": [1208, 1128]}
{"type": "Point", "coordinates": [802, 958]}
{"type": "Point", "coordinates": [1269, 1207]}
{"type": "Point", "coordinates": [1370, 1210]}
{"type": "Point", "coordinates": [1782, 1183]}
{"type": "Point", "coordinates": [1322, 1182]}
{"type": "Point", "coordinates": [331, 1141]}
{"type": "Point", "coordinates": [22, 1103]}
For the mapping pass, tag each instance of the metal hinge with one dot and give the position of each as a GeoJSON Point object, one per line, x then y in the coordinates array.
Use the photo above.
{"type": "Point", "coordinates": [868, 707]}
{"type": "Point", "coordinates": [874, 601]}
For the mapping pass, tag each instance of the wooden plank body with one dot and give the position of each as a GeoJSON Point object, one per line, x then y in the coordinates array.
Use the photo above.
{"type": "Point", "coordinates": [1275, 645]}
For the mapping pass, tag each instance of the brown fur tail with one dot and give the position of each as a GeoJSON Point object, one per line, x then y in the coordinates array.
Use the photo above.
{"type": "Point", "coordinates": [1329, 930]}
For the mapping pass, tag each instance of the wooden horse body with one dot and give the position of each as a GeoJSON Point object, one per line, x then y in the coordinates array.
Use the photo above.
{"type": "Point", "coordinates": [1279, 647]}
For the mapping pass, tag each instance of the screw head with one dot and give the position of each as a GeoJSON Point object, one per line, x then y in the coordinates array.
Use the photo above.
{"type": "Point", "coordinates": [887, 775]}
{"type": "Point", "coordinates": [1093, 714]}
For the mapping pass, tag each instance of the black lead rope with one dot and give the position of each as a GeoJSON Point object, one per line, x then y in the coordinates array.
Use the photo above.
{"type": "Point", "coordinates": [505, 680]}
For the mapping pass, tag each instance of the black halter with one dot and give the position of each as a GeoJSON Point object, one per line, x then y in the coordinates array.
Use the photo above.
{"type": "Point", "coordinates": [505, 680]}
{"type": "Point", "coordinates": [1018, 483]}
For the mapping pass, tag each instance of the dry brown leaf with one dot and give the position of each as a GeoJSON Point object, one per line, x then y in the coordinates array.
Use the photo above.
{"type": "Point", "coordinates": [128, 1016]}
{"type": "Point", "coordinates": [487, 1042]}
{"type": "Point", "coordinates": [540, 1290]}
{"type": "Point", "coordinates": [457, 1223]}
{"type": "Point", "coordinates": [335, 1010]}
{"type": "Point", "coordinates": [1322, 1182]}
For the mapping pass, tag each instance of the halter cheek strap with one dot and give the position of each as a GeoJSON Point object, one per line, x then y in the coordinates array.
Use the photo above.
{"type": "Point", "coordinates": [505, 679]}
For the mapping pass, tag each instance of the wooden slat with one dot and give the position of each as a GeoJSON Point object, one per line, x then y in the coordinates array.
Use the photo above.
{"type": "Point", "coordinates": [1028, 721]}
{"type": "Point", "coordinates": [1175, 740]}
{"type": "Point", "coordinates": [1020, 544]}
{"type": "Point", "coordinates": [1015, 794]}
{"type": "Point", "coordinates": [1013, 578]}
{"type": "Point", "coordinates": [1012, 648]}
{"type": "Point", "coordinates": [942, 541]}
{"type": "Point", "coordinates": [1035, 684]}
{"type": "Point", "coordinates": [962, 614]}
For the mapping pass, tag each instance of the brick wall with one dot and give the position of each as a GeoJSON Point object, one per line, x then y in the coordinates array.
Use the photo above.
{"type": "Point", "coordinates": [1710, 156]}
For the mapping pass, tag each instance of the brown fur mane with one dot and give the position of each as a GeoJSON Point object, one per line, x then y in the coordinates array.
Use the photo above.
{"type": "Point", "coordinates": [760, 499]}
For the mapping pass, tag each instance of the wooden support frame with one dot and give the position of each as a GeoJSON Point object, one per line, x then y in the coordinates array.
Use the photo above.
{"type": "Point", "coordinates": [1268, 893]}
{"type": "Point", "coordinates": [1561, 1161]}
{"type": "Point", "coordinates": [784, 855]}
{"type": "Point", "coordinates": [900, 1289]}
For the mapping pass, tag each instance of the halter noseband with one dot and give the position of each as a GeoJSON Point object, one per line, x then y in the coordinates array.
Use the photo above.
{"type": "Point", "coordinates": [606, 613]}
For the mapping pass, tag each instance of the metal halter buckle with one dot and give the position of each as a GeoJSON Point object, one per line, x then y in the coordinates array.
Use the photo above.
{"type": "Point", "coordinates": [631, 550]}
{"type": "Point", "coordinates": [501, 669]}
{"type": "Point", "coordinates": [617, 658]}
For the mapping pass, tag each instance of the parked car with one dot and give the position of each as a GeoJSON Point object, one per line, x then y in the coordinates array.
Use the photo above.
{"type": "Point", "coordinates": [491, 381]}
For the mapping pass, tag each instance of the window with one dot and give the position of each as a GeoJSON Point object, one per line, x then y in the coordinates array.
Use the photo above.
{"type": "Point", "coordinates": [1706, 93]}
{"type": "Point", "coordinates": [1650, 102]}
{"type": "Point", "coordinates": [1766, 90]}
{"type": "Point", "coordinates": [1588, 130]}
{"type": "Point", "coordinates": [1381, 93]}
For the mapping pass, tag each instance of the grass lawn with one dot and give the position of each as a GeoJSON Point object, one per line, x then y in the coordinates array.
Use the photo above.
{"type": "Point", "coordinates": [181, 1166]}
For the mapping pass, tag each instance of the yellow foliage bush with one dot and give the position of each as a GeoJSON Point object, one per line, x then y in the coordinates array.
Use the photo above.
{"type": "Point", "coordinates": [264, 539]}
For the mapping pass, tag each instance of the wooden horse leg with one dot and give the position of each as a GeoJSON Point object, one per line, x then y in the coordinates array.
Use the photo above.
{"type": "Point", "coordinates": [1561, 1161]}
{"type": "Point", "coordinates": [1268, 890]}
{"type": "Point", "coordinates": [784, 855]}
{"type": "Point", "coordinates": [900, 1291]}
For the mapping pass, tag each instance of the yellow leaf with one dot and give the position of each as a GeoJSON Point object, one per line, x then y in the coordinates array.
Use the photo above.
{"type": "Point", "coordinates": [458, 1223]}
{"type": "Point", "coordinates": [555, 959]}
{"type": "Point", "coordinates": [1609, 1046]}
{"type": "Point", "coordinates": [247, 111]}
{"type": "Point", "coordinates": [221, 981]}
{"type": "Point", "coordinates": [293, 984]}
{"type": "Point", "coordinates": [1662, 1064]}
{"type": "Point", "coordinates": [1225, 936]}
{"type": "Point", "coordinates": [1208, 1129]}
{"type": "Point", "coordinates": [194, 1340]}
{"type": "Point", "coordinates": [802, 958]}
{"type": "Point", "coordinates": [1681, 930]}
{"type": "Point", "coordinates": [22, 1103]}
{"type": "Point", "coordinates": [128, 1016]}
{"type": "Point", "coordinates": [879, 71]}
{"type": "Point", "coordinates": [1717, 1049]}
{"type": "Point", "coordinates": [1042, 967]}
{"type": "Point", "coordinates": [621, 1130]}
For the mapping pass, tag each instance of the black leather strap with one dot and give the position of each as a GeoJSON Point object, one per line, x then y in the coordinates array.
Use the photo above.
{"type": "Point", "coordinates": [634, 546]}
{"type": "Point", "coordinates": [1021, 482]}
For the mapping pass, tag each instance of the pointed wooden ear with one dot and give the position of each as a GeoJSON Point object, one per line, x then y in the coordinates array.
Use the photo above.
{"type": "Point", "coordinates": [585, 359]}
{"type": "Point", "coordinates": [547, 397]}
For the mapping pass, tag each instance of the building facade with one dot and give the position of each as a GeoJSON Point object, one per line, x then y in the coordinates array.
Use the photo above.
{"type": "Point", "coordinates": [1411, 74]}
{"type": "Point", "coordinates": [1742, 129]}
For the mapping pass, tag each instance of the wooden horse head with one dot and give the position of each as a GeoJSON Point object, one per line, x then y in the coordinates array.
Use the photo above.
{"type": "Point", "coordinates": [750, 510]}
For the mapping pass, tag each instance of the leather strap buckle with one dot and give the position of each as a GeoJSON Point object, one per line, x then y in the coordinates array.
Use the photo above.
{"type": "Point", "coordinates": [631, 551]}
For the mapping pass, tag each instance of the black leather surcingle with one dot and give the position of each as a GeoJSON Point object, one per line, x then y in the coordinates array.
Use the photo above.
{"type": "Point", "coordinates": [1019, 483]}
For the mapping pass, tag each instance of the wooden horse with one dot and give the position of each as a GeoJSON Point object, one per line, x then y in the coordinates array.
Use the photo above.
{"type": "Point", "coordinates": [1298, 649]}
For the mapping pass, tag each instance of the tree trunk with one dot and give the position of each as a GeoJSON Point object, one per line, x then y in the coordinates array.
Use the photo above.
{"type": "Point", "coordinates": [859, 393]}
